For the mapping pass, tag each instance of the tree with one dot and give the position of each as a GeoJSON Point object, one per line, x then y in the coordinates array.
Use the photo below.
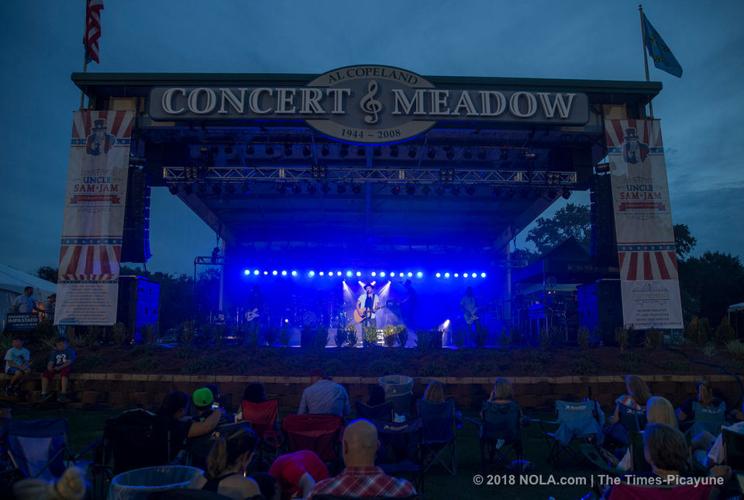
{"type": "Point", "coordinates": [710, 283]}
{"type": "Point", "coordinates": [47, 273]}
{"type": "Point", "coordinates": [684, 241]}
{"type": "Point", "coordinates": [571, 221]}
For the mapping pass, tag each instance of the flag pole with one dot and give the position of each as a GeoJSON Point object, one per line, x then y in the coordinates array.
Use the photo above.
{"type": "Point", "coordinates": [645, 56]}
{"type": "Point", "coordinates": [85, 50]}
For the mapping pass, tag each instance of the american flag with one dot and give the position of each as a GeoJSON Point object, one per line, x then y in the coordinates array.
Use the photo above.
{"type": "Point", "coordinates": [93, 10]}
{"type": "Point", "coordinates": [649, 261]}
{"type": "Point", "coordinates": [89, 259]}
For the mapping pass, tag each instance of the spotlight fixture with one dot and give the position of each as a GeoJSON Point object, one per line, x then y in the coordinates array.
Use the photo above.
{"type": "Point", "coordinates": [284, 273]}
{"type": "Point", "coordinates": [396, 190]}
{"type": "Point", "coordinates": [482, 154]}
{"type": "Point", "coordinates": [377, 152]}
{"type": "Point", "coordinates": [410, 189]}
{"type": "Point", "coordinates": [325, 188]}
{"type": "Point", "coordinates": [306, 150]}
{"type": "Point", "coordinates": [270, 150]}
{"type": "Point", "coordinates": [311, 273]}
{"type": "Point", "coordinates": [230, 188]}
{"type": "Point", "coordinates": [446, 174]}
{"type": "Point", "coordinates": [341, 188]}
{"type": "Point", "coordinates": [343, 151]}
{"type": "Point", "coordinates": [426, 189]}
{"type": "Point", "coordinates": [245, 187]}
{"type": "Point", "coordinates": [325, 151]}
{"type": "Point", "coordinates": [296, 189]}
{"type": "Point", "coordinates": [294, 273]}
{"type": "Point", "coordinates": [455, 190]}
{"type": "Point", "coordinates": [287, 150]}
{"type": "Point", "coordinates": [250, 150]}
{"type": "Point", "coordinates": [356, 188]}
{"type": "Point", "coordinates": [311, 188]}
{"type": "Point", "coordinates": [318, 171]}
{"type": "Point", "coordinates": [394, 151]}
{"type": "Point", "coordinates": [361, 151]}
{"type": "Point", "coordinates": [281, 188]}
{"type": "Point", "coordinates": [431, 153]}
{"type": "Point", "coordinates": [467, 154]}
{"type": "Point", "coordinates": [412, 152]}
{"type": "Point", "coordinates": [440, 190]}
{"type": "Point", "coordinates": [216, 189]}
{"type": "Point", "coordinates": [438, 275]}
{"type": "Point", "coordinates": [450, 154]}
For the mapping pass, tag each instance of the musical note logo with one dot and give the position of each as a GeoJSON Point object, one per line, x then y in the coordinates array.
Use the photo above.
{"type": "Point", "coordinates": [370, 105]}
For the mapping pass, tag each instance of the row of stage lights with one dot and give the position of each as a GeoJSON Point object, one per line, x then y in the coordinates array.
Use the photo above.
{"type": "Point", "coordinates": [350, 274]}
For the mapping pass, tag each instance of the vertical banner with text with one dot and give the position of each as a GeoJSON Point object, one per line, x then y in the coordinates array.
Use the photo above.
{"type": "Point", "coordinates": [87, 289]}
{"type": "Point", "coordinates": [643, 224]}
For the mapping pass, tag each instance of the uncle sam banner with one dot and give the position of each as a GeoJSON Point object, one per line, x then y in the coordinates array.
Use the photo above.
{"type": "Point", "coordinates": [87, 289]}
{"type": "Point", "coordinates": [643, 224]}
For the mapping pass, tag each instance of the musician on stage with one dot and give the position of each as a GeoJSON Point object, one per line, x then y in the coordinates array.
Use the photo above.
{"type": "Point", "coordinates": [367, 305]}
{"type": "Point", "coordinates": [469, 308]}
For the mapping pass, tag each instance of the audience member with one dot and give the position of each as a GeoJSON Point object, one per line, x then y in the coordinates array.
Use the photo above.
{"type": "Point", "coordinates": [361, 478]}
{"type": "Point", "coordinates": [254, 393]}
{"type": "Point", "coordinates": [70, 486]}
{"type": "Point", "coordinates": [717, 452]}
{"type": "Point", "coordinates": [375, 395]}
{"type": "Point", "coordinates": [658, 411]}
{"type": "Point", "coordinates": [635, 398]}
{"type": "Point", "coordinates": [174, 410]}
{"type": "Point", "coordinates": [324, 396]}
{"type": "Point", "coordinates": [60, 362]}
{"type": "Point", "coordinates": [297, 473]}
{"type": "Point", "coordinates": [226, 465]}
{"type": "Point", "coordinates": [665, 449]}
{"type": "Point", "coordinates": [502, 392]}
{"type": "Point", "coordinates": [24, 303]}
{"type": "Point", "coordinates": [17, 365]}
{"type": "Point", "coordinates": [434, 392]}
{"type": "Point", "coordinates": [704, 397]}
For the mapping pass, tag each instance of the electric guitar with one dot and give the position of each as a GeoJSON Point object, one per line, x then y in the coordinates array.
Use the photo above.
{"type": "Point", "coordinates": [251, 315]}
{"type": "Point", "coordinates": [470, 316]}
{"type": "Point", "coordinates": [361, 313]}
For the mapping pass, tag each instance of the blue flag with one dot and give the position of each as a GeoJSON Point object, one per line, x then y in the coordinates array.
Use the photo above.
{"type": "Point", "coordinates": [659, 51]}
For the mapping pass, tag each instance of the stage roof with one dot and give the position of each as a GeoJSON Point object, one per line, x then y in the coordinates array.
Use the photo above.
{"type": "Point", "coordinates": [280, 183]}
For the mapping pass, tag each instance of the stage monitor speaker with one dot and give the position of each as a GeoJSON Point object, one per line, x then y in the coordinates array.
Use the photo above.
{"type": "Point", "coordinates": [136, 238]}
{"type": "Point", "coordinates": [139, 306]}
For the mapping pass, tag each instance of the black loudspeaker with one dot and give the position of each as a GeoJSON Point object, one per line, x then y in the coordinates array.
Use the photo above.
{"type": "Point", "coordinates": [603, 243]}
{"type": "Point", "coordinates": [138, 307]}
{"type": "Point", "coordinates": [136, 238]}
{"type": "Point", "coordinates": [600, 309]}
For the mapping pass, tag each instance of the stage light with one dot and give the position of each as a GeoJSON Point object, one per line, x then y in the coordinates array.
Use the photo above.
{"type": "Point", "coordinates": [438, 275]}
{"type": "Point", "coordinates": [483, 275]}
{"type": "Point", "coordinates": [412, 152]}
{"type": "Point", "coordinates": [246, 272]}
{"type": "Point", "coordinates": [341, 188]}
{"type": "Point", "coordinates": [311, 273]}
{"type": "Point", "coordinates": [294, 273]}
{"type": "Point", "coordinates": [266, 273]}
{"type": "Point", "coordinates": [382, 274]}
{"type": "Point", "coordinates": [330, 274]}
{"type": "Point", "coordinates": [396, 190]}
{"type": "Point", "coordinates": [426, 190]}
{"type": "Point", "coordinates": [338, 273]}
{"type": "Point", "coordinates": [306, 151]}
{"type": "Point", "coordinates": [356, 188]}
{"type": "Point", "coordinates": [410, 189]}
{"type": "Point", "coordinates": [274, 273]}
{"type": "Point", "coordinates": [284, 273]}
{"type": "Point", "coordinates": [358, 273]}
{"type": "Point", "coordinates": [373, 274]}
{"type": "Point", "coordinates": [410, 274]}
{"type": "Point", "coordinates": [349, 274]}
{"type": "Point", "coordinates": [465, 275]}
{"type": "Point", "coordinates": [419, 275]}
{"type": "Point", "coordinates": [456, 275]}
{"type": "Point", "coordinates": [446, 275]}
{"type": "Point", "coordinates": [473, 275]}
{"type": "Point", "coordinates": [256, 272]}
{"type": "Point", "coordinates": [470, 190]}
{"type": "Point", "coordinates": [320, 273]}
{"type": "Point", "coordinates": [270, 150]}
{"type": "Point", "coordinates": [392, 275]}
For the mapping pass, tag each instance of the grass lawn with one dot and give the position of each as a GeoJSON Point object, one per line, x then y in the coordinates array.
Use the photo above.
{"type": "Point", "coordinates": [86, 426]}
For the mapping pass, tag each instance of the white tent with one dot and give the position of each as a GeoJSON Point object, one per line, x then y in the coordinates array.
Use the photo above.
{"type": "Point", "coordinates": [12, 283]}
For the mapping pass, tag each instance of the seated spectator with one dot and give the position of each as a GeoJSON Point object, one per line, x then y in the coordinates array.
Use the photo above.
{"type": "Point", "coordinates": [434, 392]}
{"type": "Point", "coordinates": [375, 395]}
{"type": "Point", "coordinates": [361, 478]}
{"type": "Point", "coordinates": [324, 396]}
{"type": "Point", "coordinates": [704, 398]}
{"type": "Point", "coordinates": [17, 365]}
{"type": "Point", "coordinates": [206, 400]}
{"type": "Point", "coordinates": [665, 449]}
{"type": "Point", "coordinates": [634, 399]}
{"type": "Point", "coordinates": [297, 473]}
{"type": "Point", "coordinates": [658, 411]}
{"type": "Point", "coordinates": [227, 463]}
{"type": "Point", "coordinates": [174, 410]}
{"type": "Point", "coordinates": [254, 393]}
{"type": "Point", "coordinates": [502, 394]}
{"type": "Point", "coordinates": [70, 486]}
{"type": "Point", "coordinates": [717, 452]}
{"type": "Point", "coordinates": [60, 362]}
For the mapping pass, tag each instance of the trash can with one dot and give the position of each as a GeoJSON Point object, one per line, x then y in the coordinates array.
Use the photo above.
{"type": "Point", "coordinates": [138, 484]}
{"type": "Point", "coordinates": [396, 385]}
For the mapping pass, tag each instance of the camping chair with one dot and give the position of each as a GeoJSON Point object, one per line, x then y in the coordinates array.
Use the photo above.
{"type": "Point", "coordinates": [707, 419]}
{"type": "Point", "coordinates": [499, 429]}
{"type": "Point", "coordinates": [38, 448]}
{"type": "Point", "coordinates": [400, 452]}
{"type": "Point", "coordinates": [438, 434]}
{"type": "Point", "coordinates": [577, 422]}
{"type": "Point", "coordinates": [136, 439]}
{"type": "Point", "coordinates": [401, 403]}
{"type": "Point", "coordinates": [318, 433]}
{"type": "Point", "coordinates": [733, 444]}
{"type": "Point", "coordinates": [263, 418]}
{"type": "Point", "coordinates": [337, 497]}
{"type": "Point", "coordinates": [383, 412]}
{"type": "Point", "coordinates": [639, 458]}
{"type": "Point", "coordinates": [628, 492]}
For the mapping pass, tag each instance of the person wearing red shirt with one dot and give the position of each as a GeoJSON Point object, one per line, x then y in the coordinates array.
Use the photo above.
{"type": "Point", "coordinates": [298, 472]}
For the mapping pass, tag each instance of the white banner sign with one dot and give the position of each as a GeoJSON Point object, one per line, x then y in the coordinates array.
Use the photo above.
{"type": "Point", "coordinates": [87, 289]}
{"type": "Point", "coordinates": [643, 225]}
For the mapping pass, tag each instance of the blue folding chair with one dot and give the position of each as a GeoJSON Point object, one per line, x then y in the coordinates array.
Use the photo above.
{"type": "Point", "coordinates": [707, 419]}
{"type": "Point", "coordinates": [581, 423]}
{"type": "Point", "coordinates": [438, 424]}
{"type": "Point", "coordinates": [500, 429]}
{"type": "Point", "coordinates": [38, 448]}
{"type": "Point", "coordinates": [382, 412]}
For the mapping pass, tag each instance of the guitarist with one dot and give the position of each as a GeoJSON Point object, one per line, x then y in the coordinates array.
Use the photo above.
{"type": "Point", "coordinates": [469, 308]}
{"type": "Point", "coordinates": [367, 305]}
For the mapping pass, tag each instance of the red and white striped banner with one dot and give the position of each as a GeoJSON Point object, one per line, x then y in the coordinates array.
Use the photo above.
{"type": "Point", "coordinates": [643, 224]}
{"type": "Point", "coordinates": [90, 251]}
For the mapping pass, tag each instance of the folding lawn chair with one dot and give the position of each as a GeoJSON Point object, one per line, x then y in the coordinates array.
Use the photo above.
{"type": "Point", "coordinates": [401, 403]}
{"type": "Point", "coordinates": [318, 433]}
{"type": "Point", "coordinates": [135, 439]}
{"type": "Point", "coordinates": [733, 444]}
{"type": "Point", "coordinates": [438, 441]}
{"type": "Point", "coordinates": [707, 419]}
{"type": "Point", "coordinates": [577, 423]}
{"type": "Point", "coordinates": [263, 419]}
{"type": "Point", "coordinates": [400, 453]}
{"type": "Point", "coordinates": [383, 412]}
{"type": "Point", "coordinates": [499, 431]}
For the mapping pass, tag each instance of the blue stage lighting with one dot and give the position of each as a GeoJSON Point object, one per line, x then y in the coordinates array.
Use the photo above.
{"type": "Point", "coordinates": [321, 273]}
{"type": "Point", "coordinates": [294, 273]}
{"type": "Point", "coordinates": [392, 275]}
{"type": "Point", "coordinates": [349, 274]}
{"type": "Point", "coordinates": [256, 272]}
{"type": "Point", "coordinates": [465, 275]}
{"type": "Point", "coordinates": [419, 275]}
{"type": "Point", "coordinates": [473, 275]}
{"type": "Point", "coordinates": [330, 274]}
{"type": "Point", "coordinates": [338, 273]}
{"type": "Point", "coordinates": [382, 274]}
{"type": "Point", "coordinates": [410, 274]}
{"type": "Point", "coordinates": [266, 273]}
{"type": "Point", "coordinates": [457, 275]}
{"type": "Point", "coordinates": [246, 272]}
{"type": "Point", "coordinates": [373, 273]}
{"type": "Point", "coordinates": [274, 273]}
{"type": "Point", "coordinates": [446, 275]}
{"type": "Point", "coordinates": [312, 273]}
{"type": "Point", "coordinates": [358, 273]}
{"type": "Point", "coordinates": [438, 275]}
{"type": "Point", "coordinates": [284, 273]}
{"type": "Point", "coordinates": [483, 275]}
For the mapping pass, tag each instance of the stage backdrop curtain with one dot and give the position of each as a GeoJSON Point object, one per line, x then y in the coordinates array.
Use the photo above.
{"type": "Point", "coordinates": [643, 225]}
{"type": "Point", "coordinates": [87, 289]}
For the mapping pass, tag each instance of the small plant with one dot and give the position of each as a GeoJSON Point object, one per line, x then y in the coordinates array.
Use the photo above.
{"type": "Point", "coordinates": [119, 333]}
{"type": "Point", "coordinates": [736, 348]}
{"type": "Point", "coordinates": [725, 333]}
{"type": "Point", "coordinates": [352, 336]}
{"type": "Point", "coordinates": [284, 336]}
{"type": "Point", "coordinates": [622, 337]}
{"type": "Point", "coordinates": [654, 339]}
{"type": "Point", "coordinates": [582, 338]}
{"type": "Point", "coordinates": [389, 334]}
{"type": "Point", "coordinates": [704, 331]}
{"type": "Point", "coordinates": [341, 337]}
{"type": "Point", "coordinates": [692, 330]}
{"type": "Point", "coordinates": [584, 365]}
{"type": "Point", "coordinates": [370, 335]}
{"type": "Point", "coordinates": [709, 350]}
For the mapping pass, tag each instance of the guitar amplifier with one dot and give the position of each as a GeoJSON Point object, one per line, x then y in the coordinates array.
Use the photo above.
{"type": "Point", "coordinates": [138, 306]}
